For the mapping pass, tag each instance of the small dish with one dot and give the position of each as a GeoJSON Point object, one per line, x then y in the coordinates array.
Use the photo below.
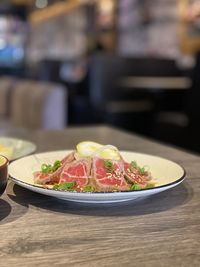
{"type": "Point", "coordinates": [16, 148]}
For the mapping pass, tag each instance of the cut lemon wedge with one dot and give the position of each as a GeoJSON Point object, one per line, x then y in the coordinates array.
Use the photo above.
{"type": "Point", "coordinates": [90, 149]}
{"type": "Point", "coordinates": [87, 148]}
{"type": "Point", "coordinates": [108, 152]}
{"type": "Point", "coordinates": [6, 151]}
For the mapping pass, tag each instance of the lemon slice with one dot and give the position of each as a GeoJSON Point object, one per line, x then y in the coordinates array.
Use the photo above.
{"type": "Point", "coordinates": [6, 151]}
{"type": "Point", "coordinates": [87, 148]}
{"type": "Point", "coordinates": [108, 152]}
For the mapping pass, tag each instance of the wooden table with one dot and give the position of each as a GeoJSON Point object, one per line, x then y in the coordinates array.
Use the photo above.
{"type": "Point", "coordinates": [163, 230]}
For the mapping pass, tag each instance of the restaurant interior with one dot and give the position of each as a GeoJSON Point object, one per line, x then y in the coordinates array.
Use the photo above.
{"type": "Point", "coordinates": [131, 64]}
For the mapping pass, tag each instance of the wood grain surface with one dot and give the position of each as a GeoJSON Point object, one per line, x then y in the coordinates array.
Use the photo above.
{"type": "Point", "coordinates": [163, 230]}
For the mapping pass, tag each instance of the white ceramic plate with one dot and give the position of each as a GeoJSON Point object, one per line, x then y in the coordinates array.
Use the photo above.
{"type": "Point", "coordinates": [166, 173]}
{"type": "Point", "coordinates": [17, 148]}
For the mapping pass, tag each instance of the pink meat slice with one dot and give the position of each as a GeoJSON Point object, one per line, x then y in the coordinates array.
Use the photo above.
{"type": "Point", "coordinates": [134, 176]}
{"type": "Point", "coordinates": [78, 171]}
{"type": "Point", "coordinates": [107, 181]}
{"type": "Point", "coordinates": [51, 178]}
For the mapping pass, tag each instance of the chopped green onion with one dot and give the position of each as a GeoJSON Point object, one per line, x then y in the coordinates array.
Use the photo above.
{"type": "Point", "coordinates": [150, 186]}
{"type": "Point", "coordinates": [142, 170]}
{"type": "Point", "coordinates": [65, 186]}
{"type": "Point", "coordinates": [88, 188]}
{"type": "Point", "coordinates": [133, 165]}
{"type": "Point", "coordinates": [108, 165]}
{"type": "Point", "coordinates": [47, 168]}
{"type": "Point", "coordinates": [56, 165]}
{"type": "Point", "coordinates": [135, 187]}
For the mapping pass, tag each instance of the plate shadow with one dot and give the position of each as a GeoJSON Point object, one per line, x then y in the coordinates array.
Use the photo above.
{"type": "Point", "coordinates": [5, 210]}
{"type": "Point", "coordinates": [161, 202]}
{"type": "Point", "coordinates": [17, 208]}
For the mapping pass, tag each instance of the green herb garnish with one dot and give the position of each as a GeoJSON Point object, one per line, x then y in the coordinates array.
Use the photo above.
{"type": "Point", "coordinates": [88, 188]}
{"type": "Point", "coordinates": [65, 186]}
{"type": "Point", "coordinates": [142, 170]}
{"type": "Point", "coordinates": [133, 165]}
{"type": "Point", "coordinates": [135, 187]}
{"type": "Point", "coordinates": [57, 164]}
{"type": "Point", "coordinates": [47, 168]}
{"type": "Point", "coordinates": [108, 166]}
{"type": "Point", "coordinates": [150, 186]}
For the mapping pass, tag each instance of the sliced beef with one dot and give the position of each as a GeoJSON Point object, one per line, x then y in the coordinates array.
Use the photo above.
{"type": "Point", "coordinates": [45, 178]}
{"type": "Point", "coordinates": [109, 180]}
{"type": "Point", "coordinates": [51, 178]}
{"type": "Point", "coordinates": [69, 158]}
{"type": "Point", "coordinates": [78, 171]}
{"type": "Point", "coordinates": [134, 175]}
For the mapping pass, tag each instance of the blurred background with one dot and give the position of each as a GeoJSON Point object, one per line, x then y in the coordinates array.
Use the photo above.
{"type": "Point", "coordinates": [132, 64]}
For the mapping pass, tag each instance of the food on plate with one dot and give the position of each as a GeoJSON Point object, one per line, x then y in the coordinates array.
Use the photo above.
{"type": "Point", "coordinates": [89, 149]}
{"type": "Point", "coordinates": [93, 167]}
{"type": "Point", "coordinates": [108, 175]}
{"type": "Point", "coordinates": [6, 151]}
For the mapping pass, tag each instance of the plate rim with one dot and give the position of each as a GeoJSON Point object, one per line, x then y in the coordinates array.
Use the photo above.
{"type": "Point", "coordinates": [179, 180]}
{"type": "Point", "coordinates": [28, 142]}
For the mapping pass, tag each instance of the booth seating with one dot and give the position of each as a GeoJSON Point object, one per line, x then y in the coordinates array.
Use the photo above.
{"type": "Point", "coordinates": [33, 105]}
{"type": "Point", "coordinates": [113, 104]}
{"type": "Point", "coordinates": [6, 85]}
{"type": "Point", "coordinates": [134, 106]}
{"type": "Point", "coordinates": [182, 128]}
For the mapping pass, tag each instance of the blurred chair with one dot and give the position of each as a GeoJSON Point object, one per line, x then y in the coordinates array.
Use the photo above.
{"type": "Point", "coordinates": [6, 85]}
{"type": "Point", "coordinates": [182, 128]}
{"type": "Point", "coordinates": [46, 70]}
{"type": "Point", "coordinates": [39, 105]}
{"type": "Point", "coordinates": [36, 105]}
{"type": "Point", "coordinates": [132, 109]}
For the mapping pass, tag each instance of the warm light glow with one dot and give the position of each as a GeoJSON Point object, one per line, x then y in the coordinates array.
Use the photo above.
{"type": "Point", "coordinates": [106, 6]}
{"type": "Point", "coordinates": [41, 3]}
{"type": "Point", "coordinates": [56, 9]}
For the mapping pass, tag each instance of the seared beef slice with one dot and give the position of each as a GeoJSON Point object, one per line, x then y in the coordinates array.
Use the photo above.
{"type": "Point", "coordinates": [78, 171]}
{"type": "Point", "coordinates": [109, 180]}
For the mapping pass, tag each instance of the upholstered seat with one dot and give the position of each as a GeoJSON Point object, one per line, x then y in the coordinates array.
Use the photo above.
{"type": "Point", "coordinates": [36, 105]}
